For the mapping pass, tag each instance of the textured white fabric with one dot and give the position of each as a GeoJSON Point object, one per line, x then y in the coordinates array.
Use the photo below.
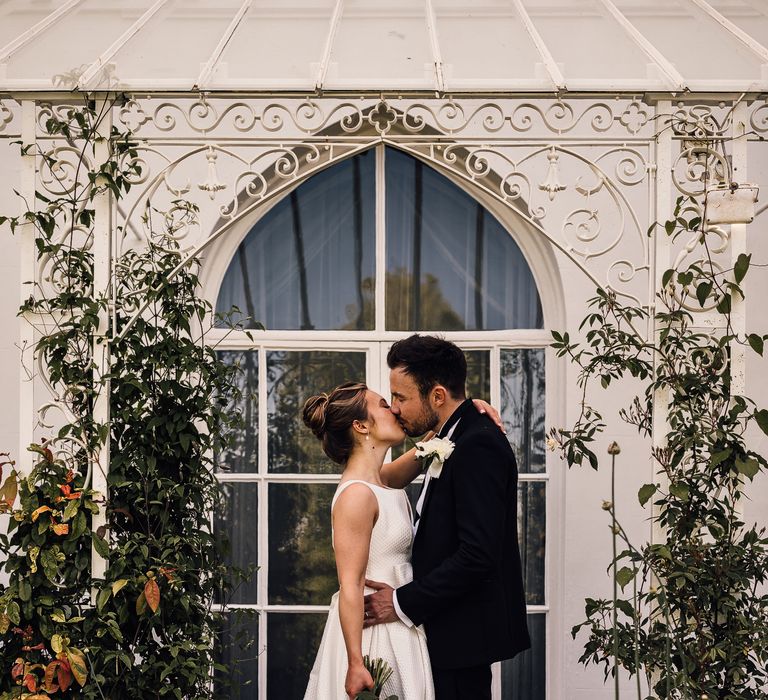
{"type": "Point", "coordinates": [404, 648]}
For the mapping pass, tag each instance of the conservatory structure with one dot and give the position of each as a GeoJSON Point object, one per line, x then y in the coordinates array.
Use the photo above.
{"type": "Point", "coordinates": [367, 169]}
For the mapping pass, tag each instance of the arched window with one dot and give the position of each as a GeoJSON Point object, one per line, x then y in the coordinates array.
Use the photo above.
{"type": "Point", "coordinates": [365, 252]}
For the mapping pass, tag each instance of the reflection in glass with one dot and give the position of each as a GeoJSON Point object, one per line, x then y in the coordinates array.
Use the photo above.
{"type": "Point", "coordinates": [525, 675]}
{"type": "Point", "coordinates": [309, 261]}
{"type": "Point", "coordinates": [522, 406]}
{"type": "Point", "coordinates": [478, 374]}
{"type": "Point", "coordinates": [292, 377]}
{"type": "Point", "coordinates": [301, 564]}
{"type": "Point", "coordinates": [450, 264]}
{"type": "Point", "coordinates": [241, 453]}
{"type": "Point", "coordinates": [238, 522]}
{"type": "Point", "coordinates": [292, 643]}
{"type": "Point", "coordinates": [531, 533]}
{"type": "Point", "coordinates": [237, 648]}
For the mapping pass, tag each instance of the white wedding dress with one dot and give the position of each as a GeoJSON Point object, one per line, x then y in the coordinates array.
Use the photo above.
{"type": "Point", "coordinates": [403, 648]}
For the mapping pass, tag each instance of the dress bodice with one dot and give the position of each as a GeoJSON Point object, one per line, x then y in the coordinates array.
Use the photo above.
{"type": "Point", "coordinates": [389, 557]}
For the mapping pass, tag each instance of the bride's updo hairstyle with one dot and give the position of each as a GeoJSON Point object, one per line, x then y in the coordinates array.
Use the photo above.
{"type": "Point", "coordinates": [330, 417]}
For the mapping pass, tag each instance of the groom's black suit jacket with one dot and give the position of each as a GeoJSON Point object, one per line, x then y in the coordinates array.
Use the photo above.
{"type": "Point", "coordinates": [467, 588]}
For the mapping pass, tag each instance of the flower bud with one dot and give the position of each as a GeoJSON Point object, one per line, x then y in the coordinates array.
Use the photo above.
{"type": "Point", "coordinates": [614, 449]}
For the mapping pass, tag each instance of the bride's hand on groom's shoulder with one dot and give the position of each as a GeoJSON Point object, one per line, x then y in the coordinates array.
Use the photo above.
{"type": "Point", "coordinates": [490, 411]}
{"type": "Point", "coordinates": [358, 679]}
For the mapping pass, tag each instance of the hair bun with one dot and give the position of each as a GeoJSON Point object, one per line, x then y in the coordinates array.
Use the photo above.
{"type": "Point", "coordinates": [314, 414]}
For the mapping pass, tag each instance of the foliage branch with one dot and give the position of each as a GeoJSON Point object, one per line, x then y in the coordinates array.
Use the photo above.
{"type": "Point", "coordinates": [149, 628]}
{"type": "Point", "coordinates": [692, 618]}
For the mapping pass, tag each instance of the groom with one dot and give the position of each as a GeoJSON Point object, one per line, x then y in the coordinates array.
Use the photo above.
{"type": "Point", "coordinates": [467, 588]}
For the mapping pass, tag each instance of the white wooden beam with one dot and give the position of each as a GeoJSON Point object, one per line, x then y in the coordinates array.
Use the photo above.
{"type": "Point", "coordinates": [333, 27]}
{"type": "Point", "coordinates": [23, 39]}
{"type": "Point", "coordinates": [27, 273]}
{"type": "Point", "coordinates": [435, 44]}
{"type": "Point", "coordinates": [98, 65]}
{"type": "Point", "coordinates": [210, 66]}
{"type": "Point", "coordinates": [546, 57]}
{"type": "Point", "coordinates": [752, 44]}
{"type": "Point", "coordinates": [676, 79]}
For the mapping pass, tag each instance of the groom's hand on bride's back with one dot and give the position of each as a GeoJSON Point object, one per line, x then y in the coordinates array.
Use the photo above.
{"type": "Point", "coordinates": [378, 606]}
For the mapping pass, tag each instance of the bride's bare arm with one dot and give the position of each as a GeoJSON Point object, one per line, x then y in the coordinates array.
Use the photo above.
{"type": "Point", "coordinates": [403, 470]}
{"type": "Point", "coordinates": [354, 516]}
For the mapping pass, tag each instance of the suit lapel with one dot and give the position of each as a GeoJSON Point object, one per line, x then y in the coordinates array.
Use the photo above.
{"type": "Point", "coordinates": [460, 412]}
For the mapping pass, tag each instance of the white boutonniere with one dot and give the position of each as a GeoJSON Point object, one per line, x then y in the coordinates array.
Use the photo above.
{"type": "Point", "coordinates": [434, 452]}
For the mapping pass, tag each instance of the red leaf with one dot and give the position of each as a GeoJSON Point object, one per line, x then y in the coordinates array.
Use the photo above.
{"type": "Point", "coordinates": [30, 682]}
{"type": "Point", "coordinates": [18, 668]}
{"type": "Point", "coordinates": [64, 674]}
{"type": "Point", "coordinates": [152, 594]}
{"type": "Point", "coordinates": [50, 670]}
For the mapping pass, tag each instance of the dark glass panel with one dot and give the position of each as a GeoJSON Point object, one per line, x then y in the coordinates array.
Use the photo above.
{"type": "Point", "coordinates": [237, 648]}
{"type": "Point", "coordinates": [525, 676]}
{"type": "Point", "coordinates": [292, 377]}
{"type": "Point", "coordinates": [292, 644]}
{"type": "Point", "coordinates": [532, 533]}
{"type": "Point", "coordinates": [523, 406]}
{"type": "Point", "coordinates": [241, 454]}
{"type": "Point", "coordinates": [238, 522]}
{"type": "Point", "coordinates": [478, 374]}
{"type": "Point", "coordinates": [309, 261]}
{"type": "Point", "coordinates": [301, 563]}
{"type": "Point", "coordinates": [450, 264]}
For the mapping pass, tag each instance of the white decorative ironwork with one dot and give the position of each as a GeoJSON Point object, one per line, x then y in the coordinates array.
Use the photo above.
{"type": "Point", "coordinates": [551, 183]}
{"type": "Point", "coordinates": [212, 185]}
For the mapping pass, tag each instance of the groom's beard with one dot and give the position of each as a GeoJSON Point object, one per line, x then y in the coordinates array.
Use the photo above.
{"type": "Point", "coordinates": [427, 420]}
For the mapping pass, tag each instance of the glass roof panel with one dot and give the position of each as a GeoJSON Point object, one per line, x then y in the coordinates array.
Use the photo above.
{"type": "Point", "coordinates": [69, 46]}
{"type": "Point", "coordinates": [151, 55]}
{"type": "Point", "coordinates": [751, 16]}
{"type": "Point", "coordinates": [278, 44]}
{"type": "Point", "coordinates": [694, 42]}
{"type": "Point", "coordinates": [382, 44]}
{"type": "Point", "coordinates": [590, 45]}
{"type": "Point", "coordinates": [498, 52]}
{"type": "Point", "coordinates": [16, 16]}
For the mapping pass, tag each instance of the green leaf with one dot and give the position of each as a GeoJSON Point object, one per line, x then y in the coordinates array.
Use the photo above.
{"type": "Point", "coordinates": [748, 467]}
{"type": "Point", "coordinates": [25, 590]}
{"type": "Point", "coordinates": [624, 575]}
{"type": "Point", "coordinates": [14, 612]}
{"type": "Point", "coordinates": [645, 493]}
{"type": "Point", "coordinates": [102, 598]}
{"type": "Point", "coordinates": [761, 417]}
{"type": "Point", "coordinates": [100, 545]}
{"type": "Point", "coordinates": [680, 490]}
{"type": "Point", "coordinates": [118, 586]}
{"type": "Point", "coordinates": [667, 277]}
{"type": "Point", "coordinates": [741, 267]}
{"type": "Point", "coordinates": [702, 292]}
{"type": "Point", "coordinates": [756, 343]}
{"type": "Point", "coordinates": [719, 457]}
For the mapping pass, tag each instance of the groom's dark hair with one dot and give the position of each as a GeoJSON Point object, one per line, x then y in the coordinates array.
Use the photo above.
{"type": "Point", "coordinates": [429, 360]}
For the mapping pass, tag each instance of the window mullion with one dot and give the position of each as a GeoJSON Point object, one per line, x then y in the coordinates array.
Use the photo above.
{"type": "Point", "coordinates": [263, 521]}
{"type": "Point", "coordinates": [381, 251]}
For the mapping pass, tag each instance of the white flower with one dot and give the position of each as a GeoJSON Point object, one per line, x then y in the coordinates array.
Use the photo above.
{"type": "Point", "coordinates": [552, 444]}
{"type": "Point", "coordinates": [434, 452]}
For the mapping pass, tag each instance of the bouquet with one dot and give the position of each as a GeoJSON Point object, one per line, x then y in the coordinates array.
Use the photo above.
{"type": "Point", "coordinates": [380, 672]}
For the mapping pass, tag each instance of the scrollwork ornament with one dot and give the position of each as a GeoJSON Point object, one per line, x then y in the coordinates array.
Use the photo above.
{"type": "Point", "coordinates": [6, 116]}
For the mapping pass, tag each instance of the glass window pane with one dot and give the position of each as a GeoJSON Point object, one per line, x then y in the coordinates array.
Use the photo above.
{"type": "Point", "coordinates": [241, 454]}
{"type": "Point", "coordinates": [525, 675]}
{"type": "Point", "coordinates": [532, 533]}
{"type": "Point", "coordinates": [292, 377]}
{"type": "Point", "coordinates": [478, 374]}
{"type": "Point", "coordinates": [292, 643]}
{"type": "Point", "coordinates": [308, 263]}
{"type": "Point", "coordinates": [238, 521]}
{"type": "Point", "coordinates": [301, 564]}
{"type": "Point", "coordinates": [238, 649]}
{"type": "Point", "coordinates": [381, 46]}
{"type": "Point", "coordinates": [523, 406]}
{"type": "Point", "coordinates": [471, 274]}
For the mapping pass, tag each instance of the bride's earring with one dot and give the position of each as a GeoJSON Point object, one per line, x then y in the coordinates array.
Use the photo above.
{"type": "Point", "coordinates": [367, 437]}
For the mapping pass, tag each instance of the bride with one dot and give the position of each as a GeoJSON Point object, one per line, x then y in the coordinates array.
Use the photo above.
{"type": "Point", "coordinates": [372, 534]}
